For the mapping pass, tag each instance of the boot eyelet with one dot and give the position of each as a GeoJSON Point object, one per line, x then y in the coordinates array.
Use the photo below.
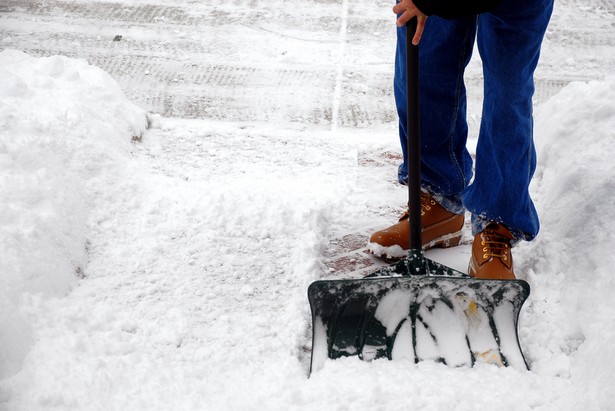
{"type": "Point", "coordinates": [485, 256]}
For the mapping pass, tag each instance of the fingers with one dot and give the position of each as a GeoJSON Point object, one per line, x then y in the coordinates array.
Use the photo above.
{"type": "Point", "coordinates": [400, 7]}
{"type": "Point", "coordinates": [406, 10]}
{"type": "Point", "coordinates": [419, 30]}
{"type": "Point", "coordinates": [405, 17]}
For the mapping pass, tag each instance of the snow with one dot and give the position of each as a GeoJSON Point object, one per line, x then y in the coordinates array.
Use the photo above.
{"type": "Point", "coordinates": [150, 262]}
{"type": "Point", "coordinates": [57, 151]}
{"type": "Point", "coordinates": [576, 191]}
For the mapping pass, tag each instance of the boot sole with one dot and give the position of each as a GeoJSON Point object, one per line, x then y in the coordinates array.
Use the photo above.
{"type": "Point", "coordinates": [445, 241]}
{"type": "Point", "coordinates": [396, 252]}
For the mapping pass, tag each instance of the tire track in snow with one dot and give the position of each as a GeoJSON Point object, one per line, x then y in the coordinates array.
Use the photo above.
{"type": "Point", "coordinates": [339, 72]}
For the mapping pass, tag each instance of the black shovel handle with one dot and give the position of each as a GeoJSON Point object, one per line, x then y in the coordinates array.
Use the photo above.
{"type": "Point", "coordinates": [413, 136]}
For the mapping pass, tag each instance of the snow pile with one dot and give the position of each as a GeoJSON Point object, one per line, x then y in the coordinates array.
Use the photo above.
{"type": "Point", "coordinates": [58, 150]}
{"type": "Point", "coordinates": [573, 258]}
{"type": "Point", "coordinates": [576, 130]}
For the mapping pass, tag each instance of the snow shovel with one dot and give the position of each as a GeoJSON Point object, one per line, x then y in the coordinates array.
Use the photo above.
{"type": "Point", "coordinates": [417, 309]}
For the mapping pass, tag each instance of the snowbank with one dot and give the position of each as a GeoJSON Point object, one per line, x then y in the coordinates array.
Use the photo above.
{"type": "Point", "coordinates": [65, 130]}
{"type": "Point", "coordinates": [573, 331]}
{"type": "Point", "coordinates": [575, 133]}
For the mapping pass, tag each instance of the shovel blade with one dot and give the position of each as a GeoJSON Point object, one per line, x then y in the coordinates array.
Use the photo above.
{"type": "Point", "coordinates": [459, 321]}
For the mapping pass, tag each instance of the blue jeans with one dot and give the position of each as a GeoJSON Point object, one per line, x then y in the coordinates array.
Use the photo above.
{"type": "Point", "coordinates": [509, 39]}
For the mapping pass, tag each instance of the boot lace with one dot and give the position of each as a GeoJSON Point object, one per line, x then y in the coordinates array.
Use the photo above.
{"type": "Point", "coordinates": [495, 245]}
{"type": "Point", "coordinates": [426, 203]}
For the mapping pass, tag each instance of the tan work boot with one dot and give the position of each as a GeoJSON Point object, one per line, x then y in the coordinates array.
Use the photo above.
{"type": "Point", "coordinates": [491, 256]}
{"type": "Point", "coordinates": [441, 228]}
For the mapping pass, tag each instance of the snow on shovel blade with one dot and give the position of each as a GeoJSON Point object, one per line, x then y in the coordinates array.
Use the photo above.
{"type": "Point", "coordinates": [459, 321]}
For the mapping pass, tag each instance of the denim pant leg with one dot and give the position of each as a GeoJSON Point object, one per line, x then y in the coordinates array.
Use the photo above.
{"type": "Point", "coordinates": [444, 52]}
{"type": "Point", "coordinates": [509, 40]}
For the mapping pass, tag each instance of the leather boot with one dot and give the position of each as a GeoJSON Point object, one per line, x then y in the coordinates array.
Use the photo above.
{"type": "Point", "coordinates": [491, 255]}
{"type": "Point", "coordinates": [441, 228]}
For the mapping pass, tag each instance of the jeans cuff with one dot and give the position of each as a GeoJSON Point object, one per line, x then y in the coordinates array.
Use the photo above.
{"type": "Point", "coordinates": [452, 204]}
{"type": "Point", "coordinates": [479, 223]}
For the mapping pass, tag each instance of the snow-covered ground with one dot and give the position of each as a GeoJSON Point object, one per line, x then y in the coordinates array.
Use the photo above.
{"type": "Point", "coordinates": [157, 262]}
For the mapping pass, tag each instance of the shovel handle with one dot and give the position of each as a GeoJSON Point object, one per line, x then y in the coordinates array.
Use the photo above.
{"type": "Point", "coordinates": [413, 137]}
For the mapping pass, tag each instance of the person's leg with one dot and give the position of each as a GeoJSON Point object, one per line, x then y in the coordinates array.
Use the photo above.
{"type": "Point", "coordinates": [444, 52]}
{"type": "Point", "coordinates": [509, 40]}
